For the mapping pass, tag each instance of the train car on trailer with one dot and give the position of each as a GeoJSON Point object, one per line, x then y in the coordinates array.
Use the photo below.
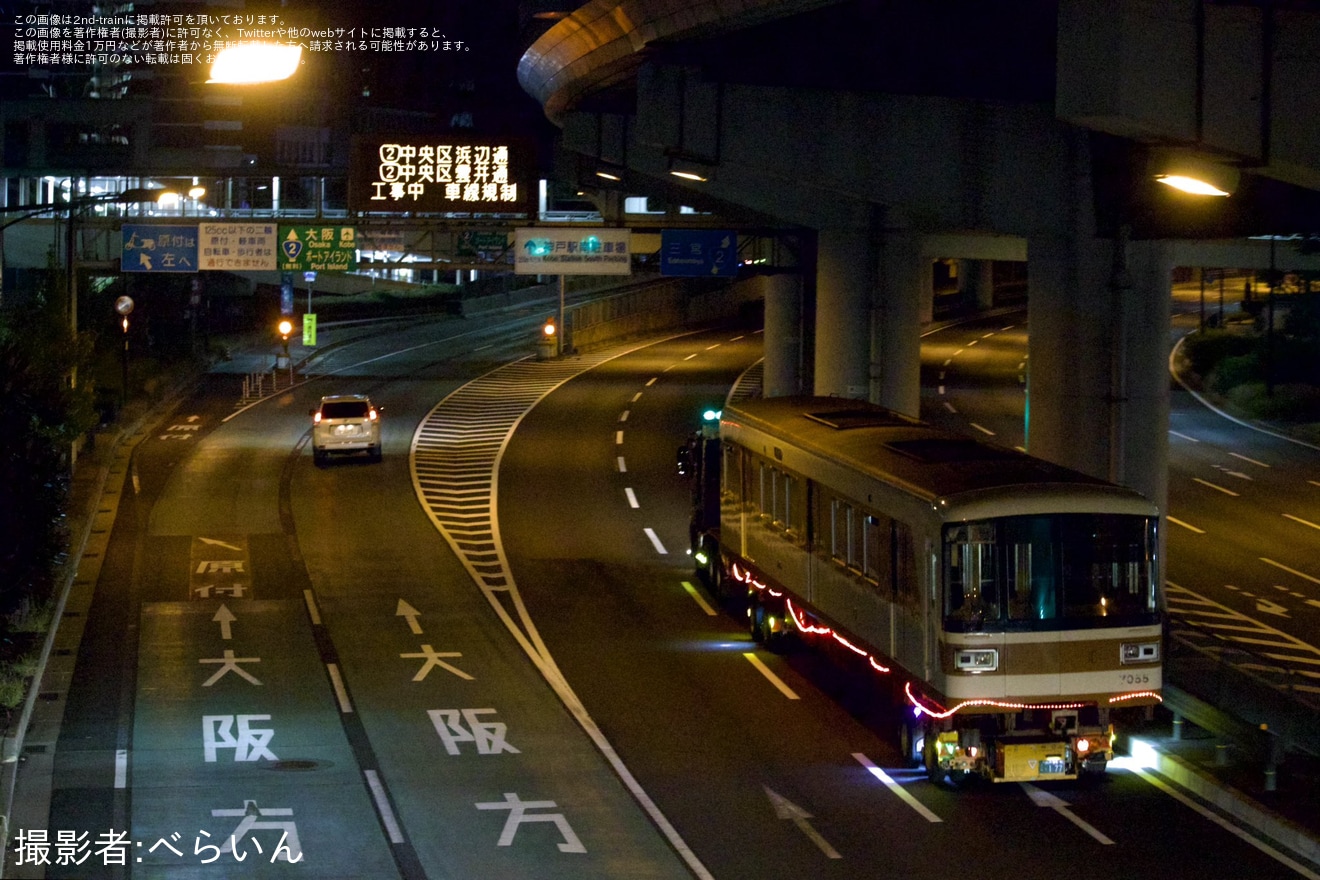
{"type": "Point", "coordinates": [1012, 604]}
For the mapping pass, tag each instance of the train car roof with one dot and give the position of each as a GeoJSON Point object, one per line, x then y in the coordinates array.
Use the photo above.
{"type": "Point", "coordinates": [910, 454]}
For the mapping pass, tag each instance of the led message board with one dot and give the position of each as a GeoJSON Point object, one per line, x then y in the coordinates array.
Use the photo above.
{"type": "Point", "coordinates": [441, 174]}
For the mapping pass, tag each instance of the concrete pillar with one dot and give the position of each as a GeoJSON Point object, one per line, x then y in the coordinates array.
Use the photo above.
{"type": "Point", "coordinates": [845, 273]}
{"type": "Point", "coordinates": [782, 339]}
{"type": "Point", "coordinates": [976, 281]}
{"type": "Point", "coordinates": [905, 286]}
{"type": "Point", "coordinates": [1098, 386]}
{"type": "Point", "coordinates": [926, 300]}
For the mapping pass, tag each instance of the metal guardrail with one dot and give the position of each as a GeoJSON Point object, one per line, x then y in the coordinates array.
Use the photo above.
{"type": "Point", "coordinates": [1248, 689]}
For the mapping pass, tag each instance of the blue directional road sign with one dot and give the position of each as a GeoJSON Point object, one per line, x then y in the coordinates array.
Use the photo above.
{"type": "Point", "coordinates": [158, 248]}
{"type": "Point", "coordinates": [709, 253]}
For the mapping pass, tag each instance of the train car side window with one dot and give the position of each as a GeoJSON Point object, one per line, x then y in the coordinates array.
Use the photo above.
{"type": "Point", "coordinates": [877, 552]}
{"type": "Point", "coordinates": [841, 543]}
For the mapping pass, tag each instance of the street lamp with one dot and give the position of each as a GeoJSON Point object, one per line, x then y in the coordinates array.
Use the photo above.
{"type": "Point", "coordinates": [250, 63]}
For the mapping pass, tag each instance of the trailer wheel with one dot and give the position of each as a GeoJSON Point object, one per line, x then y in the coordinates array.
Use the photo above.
{"type": "Point", "coordinates": [930, 755]}
{"type": "Point", "coordinates": [911, 742]}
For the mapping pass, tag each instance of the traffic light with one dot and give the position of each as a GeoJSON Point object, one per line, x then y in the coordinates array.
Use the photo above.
{"type": "Point", "coordinates": [285, 328]}
{"type": "Point", "coordinates": [548, 329]}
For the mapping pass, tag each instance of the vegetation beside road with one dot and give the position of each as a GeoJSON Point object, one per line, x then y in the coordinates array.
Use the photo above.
{"type": "Point", "coordinates": [1261, 375]}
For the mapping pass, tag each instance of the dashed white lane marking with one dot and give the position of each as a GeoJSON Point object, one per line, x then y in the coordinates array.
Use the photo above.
{"type": "Point", "coordinates": [903, 793]}
{"type": "Point", "coordinates": [623, 465]}
{"type": "Point", "coordinates": [770, 676]}
{"type": "Point", "coordinates": [1216, 488]}
{"type": "Point", "coordinates": [1292, 571]}
{"type": "Point", "coordinates": [1184, 437]}
{"type": "Point", "coordinates": [1006, 329]}
{"type": "Point", "coordinates": [982, 429]}
{"type": "Point", "coordinates": [1305, 522]}
{"type": "Point", "coordinates": [716, 345]}
{"type": "Point", "coordinates": [1252, 460]}
{"type": "Point", "coordinates": [636, 397]}
{"type": "Point", "coordinates": [312, 611]}
{"type": "Point", "coordinates": [941, 389]}
{"type": "Point", "coordinates": [699, 599]}
{"type": "Point", "coordinates": [947, 362]}
{"type": "Point", "coordinates": [655, 541]}
{"type": "Point", "coordinates": [1190, 528]}
{"type": "Point", "coordinates": [623, 416]}
{"type": "Point", "coordinates": [973, 342]}
{"type": "Point", "coordinates": [735, 339]}
{"type": "Point", "coordinates": [383, 806]}
{"type": "Point", "coordinates": [988, 335]}
{"type": "Point", "coordinates": [652, 382]}
{"type": "Point", "coordinates": [618, 438]}
{"type": "Point", "coordinates": [690, 357]}
{"type": "Point", "coordinates": [949, 407]}
{"type": "Point", "coordinates": [341, 693]}
{"type": "Point", "coordinates": [1042, 798]}
{"type": "Point", "coordinates": [1314, 482]}
{"type": "Point", "coordinates": [632, 498]}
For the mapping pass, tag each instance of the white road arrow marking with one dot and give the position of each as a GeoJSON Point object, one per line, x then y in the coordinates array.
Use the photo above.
{"type": "Point", "coordinates": [225, 618]}
{"type": "Point", "coordinates": [1042, 798]}
{"type": "Point", "coordinates": [410, 614]}
{"type": "Point", "coordinates": [786, 809]}
{"type": "Point", "coordinates": [1269, 607]}
{"type": "Point", "coordinates": [214, 543]}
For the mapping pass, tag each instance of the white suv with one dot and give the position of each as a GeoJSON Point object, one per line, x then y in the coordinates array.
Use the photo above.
{"type": "Point", "coordinates": [345, 423]}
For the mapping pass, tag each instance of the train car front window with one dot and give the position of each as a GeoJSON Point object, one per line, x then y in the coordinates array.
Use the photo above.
{"type": "Point", "coordinates": [1065, 569]}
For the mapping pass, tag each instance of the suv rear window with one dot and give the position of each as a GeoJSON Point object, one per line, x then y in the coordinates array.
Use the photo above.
{"type": "Point", "coordinates": [352, 409]}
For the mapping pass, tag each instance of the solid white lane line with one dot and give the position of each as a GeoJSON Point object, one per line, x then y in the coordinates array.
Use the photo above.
{"type": "Point", "coordinates": [618, 438]}
{"type": "Point", "coordinates": [983, 429]}
{"type": "Point", "coordinates": [903, 793]}
{"type": "Point", "coordinates": [699, 599]}
{"type": "Point", "coordinates": [623, 465]}
{"type": "Point", "coordinates": [1280, 565]}
{"type": "Point", "coordinates": [1042, 798]}
{"type": "Point", "coordinates": [121, 768]}
{"type": "Point", "coordinates": [655, 541]}
{"type": "Point", "coordinates": [1190, 528]}
{"type": "Point", "coordinates": [632, 498]}
{"type": "Point", "coordinates": [1252, 460]}
{"type": "Point", "coordinates": [383, 806]}
{"type": "Point", "coordinates": [770, 676]}
{"type": "Point", "coordinates": [1216, 488]}
{"type": "Point", "coordinates": [623, 416]}
{"type": "Point", "coordinates": [1184, 437]}
{"type": "Point", "coordinates": [341, 692]}
{"type": "Point", "coordinates": [652, 382]}
{"type": "Point", "coordinates": [636, 397]}
{"type": "Point", "coordinates": [1305, 522]}
{"type": "Point", "coordinates": [1223, 823]}
{"type": "Point", "coordinates": [312, 610]}
{"type": "Point", "coordinates": [949, 407]}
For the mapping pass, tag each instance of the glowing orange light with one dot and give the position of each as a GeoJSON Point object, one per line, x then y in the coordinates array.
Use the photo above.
{"type": "Point", "coordinates": [998, 704]}
{"type": "Point", "coordinates": [1121, 698]}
